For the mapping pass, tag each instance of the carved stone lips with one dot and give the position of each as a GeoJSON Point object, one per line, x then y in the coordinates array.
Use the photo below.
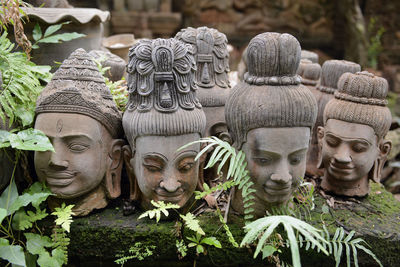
{"type": "Point", "coordinates": [59, 178]}
{"type": "Point", "coordinates": [278, 190]}
{"type": "Point", "coordinates": [341, 169]}
{"type": "Point", "coordinates": [165, 194]}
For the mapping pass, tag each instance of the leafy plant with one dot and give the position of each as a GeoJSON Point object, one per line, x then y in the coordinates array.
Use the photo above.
{"type": "Point", "coordinates": [49, 36]}
{"type": "Point", "coordinates": [21, 84]}
{"type": "Point", "coordinates": [160, 207]}
{"type": "Point", "coordinates": [237, 173]}
{"type": "Point", "coordinates": [339, 241]}
{"type": "Point", "coordinates": [198, 242]}
{"type": "Point", "coordinates": [292, 226]}
{"type": "Point", "coordinates": [118, 89]}
{"type": "Point", "coordinates": [16, 217]}
{"type": "Point", "coordinates": [137, 251]}
{"type": "Point", "coordinates": [181, 247]}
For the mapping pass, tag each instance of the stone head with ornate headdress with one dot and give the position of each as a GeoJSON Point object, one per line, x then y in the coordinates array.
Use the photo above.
{"type": "Point", "coordinates": [212, 60]}
{"type": "Point", "coordinates": [77, 112]}
{"type": "Point", "coordinates": [163, 114]}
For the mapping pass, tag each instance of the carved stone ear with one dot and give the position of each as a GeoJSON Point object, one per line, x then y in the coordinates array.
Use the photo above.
{"type": "Point", "coordinates": [134, 192]}
{"type": "Point", "coordinates": [320, 134]}
{"type": "Point", "coordinates": [384, 149]}
{"type": "Point", "coordinates": [113, 174]}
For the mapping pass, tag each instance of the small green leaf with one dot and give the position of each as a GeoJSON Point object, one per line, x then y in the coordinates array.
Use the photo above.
{"type": "Point", "coordinates": [52, 29]}
{"type": "Point", "coordinates": [35, 46]}
{"type": "Point", "coordinates": [37, 32]}
{"type": "Point", "coordinates": [55, 260]}
{"type": "Point", "coordinates": [325, 209]}
{"type": "Point", "coordinates": [199, 249]}
{"type": "Point", "coordinates": [268, 251]}
{"type": "Point", "coordinates": [57, 38]}
{"type": "Point", "coordinates": [3, 214]}
{"type": "Point", "coordinates": [4, 138]}
{"type": "Point", "coordinates": [25, 113]}
{"type": "Point", "coordinates": [13, 254]}
{"type": "Point", "coordinates": [36, 244]}
{"type": "Point", "coordinates": [192, 223]}
{"type": "Point", "coordinates": [31, 139]}
{"type": "Point", "coordinates": [9, 195]}
{"type": "Point", "coordinates": [64, 216]}
{"type": "Point", "coordinates": [212, 241]}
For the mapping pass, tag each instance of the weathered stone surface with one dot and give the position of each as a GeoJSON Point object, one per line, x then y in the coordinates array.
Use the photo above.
{"type": "Point", "coordinates": [96, 239]}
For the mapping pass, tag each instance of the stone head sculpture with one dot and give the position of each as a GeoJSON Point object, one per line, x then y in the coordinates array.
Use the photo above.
{"type": "Point", "coordinates": [309, 55]}
{"type": "Point", "coordinates": [330, 74]}
{"type": "Point", "coordinates": [77, 112]}
{"type": "Point", "coordinates": [352, 145]}
{"type": "Point", "coordinates": [270, 116]}
{"type": "Point", "coordinates": [163, 114]}
{"type": "Point", "coordinates": [212, 60]}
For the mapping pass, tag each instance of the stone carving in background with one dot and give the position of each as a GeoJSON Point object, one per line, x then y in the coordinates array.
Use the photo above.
{"type": "Point", "coordinates": [352, 145]}
{"type": "Point", "coordinates": [212, 60]}
{"type": "Point", "coordinates": [330, 74]}
{"type": "Point", "coordinates": [163, 114]}
{"type": "Point", "coordinates": [310, 74]}
{"type": "Point", "coordinates": [77, 112]}
{"type": "Point", "coordinates": [117, 65]}
{"type": "Point", "coordinates": [270, 116]}
{"type": "Point", "coordinates": [313, 57]}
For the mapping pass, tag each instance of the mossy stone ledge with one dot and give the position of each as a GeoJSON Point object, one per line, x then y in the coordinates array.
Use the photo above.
{"type": "Point", "coordinates": [96, 239]}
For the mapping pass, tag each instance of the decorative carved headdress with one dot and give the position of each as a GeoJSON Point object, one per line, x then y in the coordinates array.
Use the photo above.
{"type": "Point", "coordinates": [162, 90]}
{"type": "Point", "coordinates": [331, 72]}
{"type": "Point", "coordinates": [271, 95]}
{"type": "Point", "coordinates": [78, 87]}
{"type": "Point", "coordinates": [212, 57]}
{"type": "Point", "coordinates": [361, 98]}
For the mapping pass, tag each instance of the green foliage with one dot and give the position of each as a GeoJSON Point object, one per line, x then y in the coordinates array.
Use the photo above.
{"type": "Point", "coordinates": [64, 216]}
{"type": "Point", "coordinates": [227, 230]}
{"type": "Point", "coordinates": [21, 83]}
{"type": "Point", "coordinates": [237, 172]}
{"type": "Point", "coordinates": [293, 228]}
{"type": "Point", "coordinates": [192, 223]}
{"type": "Point", "coordinates": [137, 251]}
{"type": "Point", "coordinates": [375, 45]}
{"type": "Point", "coordinates": [12, 253]}
{"type": "Point", "coordinates": [339, 241]}
{"type": "Point", "coordinates": [29, 139]}
{"type": "Point", "coordinates": [50, 38]}
{"type": "Point", "coordinates": [181, 247]}
{"type": "Point", "coordinates": [15, 211]}
{"type": "Point", "coordinates": [198, 242]}
{"type": "Point", "coordinates": [118, 89]}
{"type": "Point", "coordinates": [160, 207]}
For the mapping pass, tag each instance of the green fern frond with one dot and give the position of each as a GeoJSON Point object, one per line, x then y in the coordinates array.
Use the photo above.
{"type": "Point", "coordinates": [160, 207]}
{"type": "Point", "coordinates": [21, 84]}
{"type": "Point", "coordinates": [345, 243]}
{"type": "Point", "coordinates": [237, 174]}
{"type": "Point", "coordinates": [293, 227]}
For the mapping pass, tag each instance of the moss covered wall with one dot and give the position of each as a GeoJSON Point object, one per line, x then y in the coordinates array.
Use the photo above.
{"type": "Point", "coordinates": [96, 239]}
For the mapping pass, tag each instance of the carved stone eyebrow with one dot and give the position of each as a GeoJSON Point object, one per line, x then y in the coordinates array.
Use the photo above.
{"type": "Point", "coordinates": [156, 156]}
{"type": "Point", "coordinates": [347, 139]}
{"type": "Point", "coordinates": [185, 154]}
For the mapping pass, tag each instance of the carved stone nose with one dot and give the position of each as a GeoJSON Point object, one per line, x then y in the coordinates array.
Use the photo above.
{"type": "Point", "coordinates": [342, 155]}
{"type": "Point", "coordinates": [56, 161]}
{"type": "Point", "coordinates": [282, 178]}
{"type": "Point", "coordinates": [170, 185]}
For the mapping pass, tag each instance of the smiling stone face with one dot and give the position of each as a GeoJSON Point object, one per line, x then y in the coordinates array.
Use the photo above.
{"type": "Point", "coordinates": [162, 172]}
{"type": "Point", "coordinates": [348, 154]}
{"type": "Point", "coordinates": [79, 164]}
{"type": "Point", "coordinates": [276, 159]}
